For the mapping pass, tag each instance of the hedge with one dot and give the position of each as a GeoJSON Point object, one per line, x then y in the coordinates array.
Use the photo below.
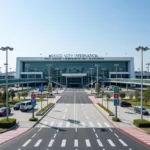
{"type": "Point", "coordinates": [116, 119]}
{"type": "Point", "coordinates": [107, 110]}
{"type": "Point", "coordinates": [4, 123]}
{"type": "Point", "coordinates": [45, 108]}
{"type": "Point", "coordinates": [141, 123]}
{"type": "Point", "coordinates": [33, 119]}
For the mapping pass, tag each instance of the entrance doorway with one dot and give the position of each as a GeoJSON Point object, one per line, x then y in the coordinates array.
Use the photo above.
{"type": "Point", "coordinates": [74, 82]}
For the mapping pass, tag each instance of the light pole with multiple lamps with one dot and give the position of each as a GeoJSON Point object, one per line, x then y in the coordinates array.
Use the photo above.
{"type": "Point", "coordinates": [91, 79]}
{"type": "Point", "coordinates": [116, 65]}
{"type": "Point", "coordinates": [141, 48]}
{"type": "Point", "coordinates": [97, 65]}
{"type": "Point", "coordinates": [7, 48]}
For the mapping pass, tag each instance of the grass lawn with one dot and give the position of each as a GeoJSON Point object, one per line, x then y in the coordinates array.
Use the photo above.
{"type": "Point", "coordinates": [1, 129]}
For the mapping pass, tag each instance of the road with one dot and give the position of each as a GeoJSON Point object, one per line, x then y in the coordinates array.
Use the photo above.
{"type": "Point", "coordinates": [74, 124]}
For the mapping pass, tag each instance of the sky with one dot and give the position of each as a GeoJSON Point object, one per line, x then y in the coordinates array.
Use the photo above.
{"type": "Point", "coordinates": [109, 28]}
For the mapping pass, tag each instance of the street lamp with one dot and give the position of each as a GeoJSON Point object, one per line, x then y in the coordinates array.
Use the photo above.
{"type": "Point", "coordinates": [141, 48]}
{"type": "Point", "coordinates": [148, 64]}
{"type": "Point", "coordinates": [120, 69]}
{"type": "Point", "coordinates": [57, 77]}
{"type": "Point", "coordinates": [116, 65]}
{"type": "Point", "coordinates": [35, 69]}
{"type": "Point", "coordinates": [6, 75]}
{"type": "Point", "coordinates": [91, 79]}
{"type": "Point", "coordinates": [49, 66]}
{"type": "Point", "coordinates": [27, 66]}
{"type": "Point", "coordinates": [97, 65]}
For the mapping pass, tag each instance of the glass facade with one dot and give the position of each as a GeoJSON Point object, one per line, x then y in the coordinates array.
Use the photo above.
{"type": "Point", "coordinates": [74, 67]}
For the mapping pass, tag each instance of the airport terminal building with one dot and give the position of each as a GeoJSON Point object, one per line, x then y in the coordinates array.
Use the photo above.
{"type": "Point", "coordinates": [74, 70]}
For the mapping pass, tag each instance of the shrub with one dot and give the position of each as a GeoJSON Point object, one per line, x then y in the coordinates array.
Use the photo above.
{"type": "Point", "coordinates": [107, 110]}
{"type": "Point", "coordinates": [141, 123]}
{"type": "Point", "coordinates": [4, 123]}
{"type": "Point", "coordinates": [116, 119]}
{"type": "Point", "coordinates": [33, 119]}
{"type": "Point", "coordinates": [122, 95]}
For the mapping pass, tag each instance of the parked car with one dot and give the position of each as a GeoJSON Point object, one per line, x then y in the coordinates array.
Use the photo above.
{"type": "Point", "coordinates": [3, 111]}
{"type": "Point", "coordinates": [137, 109]}
{"type": "Point", "coordinates": [17, 106]}
{"type": "Point", "coordinates": [25, 106]}
{"type": "Point", "coordinates": [125, 104]}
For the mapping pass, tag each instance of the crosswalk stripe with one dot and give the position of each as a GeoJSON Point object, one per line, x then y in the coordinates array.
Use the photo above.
{"type": "Point", "coordinates": [67, 124]}
{"type": "Point", "coordinates": [26, 143]}
{"type": "Point", "coordinates": [99, 143]}
{"type": "Point", "coordinates": [88, 144]}
{"type": "Point", "coordinates": [91, 124]}
{"type": "Point", "coordinates": [38, 143]}
{"type": "Point", "coordinates": [59, 124]}
{"type": "Point", "coordinates": [98, 123]}
{"type": "Point", "coordinates": [106, 124]}
{"type": "Point", "coordinates": [83, 124]}
{"type": "Point", "coordinates": [51, 143]}
{"type": "Point", "coordinates": [111, 142]}
{"type": "Point", "coordinates": [122, 142]}
{"type": "Point", "coordinates": [75, 143]}
{"type": "Point", "coordinates": [63, 144]}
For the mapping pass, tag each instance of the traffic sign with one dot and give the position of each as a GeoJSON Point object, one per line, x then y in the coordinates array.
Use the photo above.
{"type": "Point", "coordinates": [116, 89]}
{"type": "Point", "coordinates": [116, 96]}
{"type": "Point", "coordinates": [41, 88]}
{"type": "Point", "coordinates": [41, 98]}
{"type": "Point", "coordinates": [33, 96]}
{"type": "Point", "coordinates": [116, 102]}
{"type": "Point", "coordinates": [33, 102]}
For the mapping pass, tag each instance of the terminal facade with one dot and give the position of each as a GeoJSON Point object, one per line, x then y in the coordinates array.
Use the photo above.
{"type": "Point", "coordinates": [74, 70]}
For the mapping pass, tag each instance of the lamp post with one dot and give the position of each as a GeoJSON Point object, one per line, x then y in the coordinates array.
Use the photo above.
{"type": "Point", "coordinates": [57, 77]}
{"type": "Point", "coordinates": [116, 65]}
{"type": "Point", "coordinates": [49, 70]}
{"type": "Point", "coordinates": [141, 48]}
{"type": "Point", "coordinates": [91, 79]}
{"type": "Point", "coordinates": [35, 69]}
{"type": "Point", "coordinates": [97, 65]}
{"type": "Point", "coordinates": [103, 69]}
{"type": "Point", "coordinates": [6, 75]}
{"type": "Point", "coordinates": [27, 66]}
{"type": "Point", "coordinates": [148, 64]}
{"type": "Point", "coordinates": [60, 76]}
{"type": "Point", "coordinates": [120, 69]}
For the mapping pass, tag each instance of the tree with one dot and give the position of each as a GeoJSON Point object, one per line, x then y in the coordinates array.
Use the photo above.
{"type": "Point", "coordinates": [4, 95]}
{"type": "Point", "coordinates": [19, 95]}
{"type": "Point", "coordinates": [146, 96]}
{"type": "Point", "coordinates": [24, 94]}
{"type": "Point", "coordinates": [108, 96]}
{"type": "Point", "coordinates": [49, 88]}
{"type": "Point", "coordinates": [137, 95]}
{"type": "Point", "coordinates": [131, 96]}
{"type": "Point", "coordinates": [12, 94]}
{"type": "Point", "coordinates": [97, 88]}
{"type": "Point", "coordinates": [122, 95]}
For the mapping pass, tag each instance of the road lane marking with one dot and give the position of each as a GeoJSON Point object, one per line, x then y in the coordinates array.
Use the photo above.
{"type": "Point", "coordinates": [111, 142]}
{"type": "Point", "coordinates": [75, 143]}
{"type": "Point", "coordinates": [85, 115]}
{"type": "Point", "coordinates": [34, 135]}
{"type": "Point", "coordinates": [75, 129]}
{"type": "Point", "coordinates": [38, 143]}
{"type": "Point", "coordinates": [110, 130]}
{"type": "Point", "coordinates": [63, 144]}
{"type": "Point", "coordinates": [88, 144]}
{"type": "Point", "coordinates": [130, 149]}
{"type": "Point", "coordinates": [93, 129]}
{"type": "Point", "coordinates": [83, 124]}
{"type": "Point", "coordinates": [67, 124]}
{"type": "Point", "coordinates": [99, 124]}
{"type": "Point", "coordinates": [66, 110]}
{"type": "Point", "coordinates": [116, 135]}
{"type": "Point", "coordinates": [122, 142]}
{"type": "Point", "coordinates": [51, 143]}
{"type": "Point", "coordinates": [96, 135]}
{"type": "Point", "coordinates": [26, 143]}
{"type": "Point", "coordinates": [99, 143]}
{"type": "Point", "coordinates": [54, 136]}
{"type": "Point", "coordinates": [39, 129]}
{"type": "Point", "coordinates": [91, 124]}
{"type": "Point", "coordinates": [106, 124]}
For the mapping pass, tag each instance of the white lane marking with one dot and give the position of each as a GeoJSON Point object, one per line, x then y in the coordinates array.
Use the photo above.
{"type": "Point", "coordinates": [57, 130]}
{"type": "Point", "coordinates": [99, 143]}
{"type": "Point", "coordinates": [93, 130]}
{"type": "Point", "coordinates": [83, 124]}
{"type": "Point", "coordinates": [75, 143]}
{"type": "Point", "coordinates": [64, 116]}
{"type": "Point", "coordinates": [130, 148]}
{"type": "Point", "coordinates": [19, 149]}
{"type": "Point", "coordinates": [44, 124]}
{"type": "Point", "coordinates": [111, 142]}
{"type": "Point", "coordinates": [38, 143]}
{"type": "Point", "coordinates": [52, 123]}
{"type": "Point", "coordinates": [85, 115]}
{"type": "Point", "coordinates": [34, 135]}
{"type": "Point", "coordinates": [63, 144]}
{"type": "Point", "coordinates": [98, 123]}
{"type": "Point", "coordinates": [39, 129]}
{"type": "Point", "coordinates": [91, 124]}
{"type": "Point", "coordinates": [96, 135]}
{"type": "Point", "coordinates": [54, 135]}
{"type": "Point", "coordinates": [122, 142]}
{"type": "Point", "coordinates": [26, 143]}
{"type": "Point", "coordinates": [110, 130]}
{"type": "Point", "coordinates": [75, 129]}
{"type": "Point", "coordinates": [66, 110]}
{"type": "Point", "coordinates": [51, 143]}
{"type": "Point", "coordinates": [88, 144]}
{"type": "Point", "coordinates": [67, 124]}
{"type": "Point", "coordinates": [106, 124]}
{"type": "Point", "coordinates": [116, 135]}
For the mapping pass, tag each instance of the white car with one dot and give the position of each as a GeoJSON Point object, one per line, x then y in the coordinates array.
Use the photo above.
{"type": "Point", "coordinates": [25, 106]}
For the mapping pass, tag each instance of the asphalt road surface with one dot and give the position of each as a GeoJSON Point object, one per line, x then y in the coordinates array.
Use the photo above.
{"type": "Point", "coordinates": [74, 124]}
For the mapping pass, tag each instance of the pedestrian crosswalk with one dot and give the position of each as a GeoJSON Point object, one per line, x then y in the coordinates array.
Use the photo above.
{"type": "Point", "coordinates": [71, 124]}
{"type": "Point", "coordinates": [75, 143]}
